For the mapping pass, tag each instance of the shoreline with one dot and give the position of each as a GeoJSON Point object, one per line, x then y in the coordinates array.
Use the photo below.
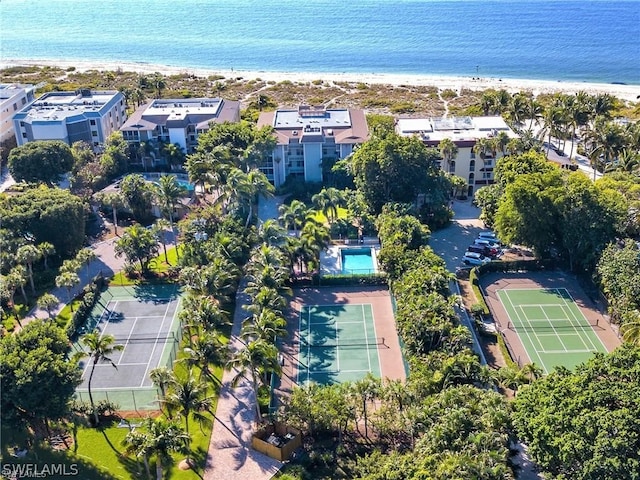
{"type": "Point", "coordinates": [512, 85]}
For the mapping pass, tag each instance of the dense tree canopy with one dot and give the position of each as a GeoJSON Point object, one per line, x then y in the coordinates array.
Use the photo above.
{"type": "Point", "coordinates": [395, 169]}
{"type": "Point", "coordinates": [41, 162]}
{"type": "Point", "coordinates": [584, 425]}
{"type": "Point", "coordinates": [38, 380]}
{"type": "Point", "coordinates": [619, 272]}
{"type": "Point", "coordinates": [48, 215]}
{"type": "Point", "coordinates": [138, 244]}
{"type": "Point", "coordinates": [138, 194]}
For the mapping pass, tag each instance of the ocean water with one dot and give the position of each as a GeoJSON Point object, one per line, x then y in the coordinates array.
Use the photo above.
{"type": "Point", "coordinates": [569, 40]}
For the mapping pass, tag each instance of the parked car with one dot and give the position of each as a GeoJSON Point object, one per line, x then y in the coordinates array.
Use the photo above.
{"type": "Point", "coordinates": [483, 250]}
{"type": "Point", "coordinates": [473, 258]}
{"type": "Point", "coordinates": [488, 235]}
{"type": "Point", "coordinates": [486, 243]}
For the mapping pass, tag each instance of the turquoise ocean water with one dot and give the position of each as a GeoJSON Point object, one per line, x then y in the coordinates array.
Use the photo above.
{"type": "Point", "coordinates": [569, 40]}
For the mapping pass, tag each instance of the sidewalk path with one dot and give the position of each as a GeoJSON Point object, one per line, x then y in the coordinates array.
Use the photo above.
{"type": "Point", "coordinates": [230, 455]}
{"type": "Point", "coordinates": [105, 262]}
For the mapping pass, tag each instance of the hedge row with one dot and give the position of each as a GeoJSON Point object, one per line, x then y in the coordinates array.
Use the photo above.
{"type": "Point", "coordinates": [341, 280]}
{"type": "Point", "coordinates": [88, 297]}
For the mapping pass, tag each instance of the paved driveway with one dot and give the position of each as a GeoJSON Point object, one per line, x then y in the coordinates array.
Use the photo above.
{"type": "Point", "coordinates": [451, 242]}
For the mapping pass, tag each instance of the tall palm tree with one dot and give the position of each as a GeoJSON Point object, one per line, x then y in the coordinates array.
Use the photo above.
{"type": "Point", "coordinates": [293, 215]}
{"type": "Point", "coordinates": [68, 280]}
{"type": "Point", "coordinates": [167, 193]}
{"type": "Point", "coordinates": [158, 437]}
{"type": "Point", "coordinates": [48, 302]}
{"type": "Point", "coordinates": [631, 328]}
{"type": "Point", "coordinates": [100, 347]}
{"type": "Point", "coordinates": [271, 233]}
{"type": "Point", "coordinates": [27, 254]}
{"type": "Point", "coordinates": [264, 325]}
{"type": "Point", "coordinates": [367, 390]}
{"type": "Point", "coordinates": [328, 200]}
{"type": "Point", "coordinates": [205, 349]}
{"type": "Point", "coordinates": [46, 249]}
{"type": "Point", "coordinates": [189, 397]}
{"type": "Point", "coordinates": [85, 256]}
{"type": "Point", "coordinates": [159, 83]}
{"type": "Point", "coordinates": [256, 361]}
{"type": "Point", "coordinates": [115, 201]}
{"type": "Point", "coordinates": [162, 378]}
{"type": "Point", "coordinates": [449, 151]}
{"type": "Point", "coordinates": [160, 227]}
{"type": "Point", "coordinates": [17, 278]}
{"type": "Point", "coordinates": [315, 238]}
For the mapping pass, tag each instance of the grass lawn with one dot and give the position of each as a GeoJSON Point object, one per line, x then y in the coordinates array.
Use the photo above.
{"type": "Point", "coordinates": [321, 218]}
{"type": "Point", "coordinates": [158, 266]}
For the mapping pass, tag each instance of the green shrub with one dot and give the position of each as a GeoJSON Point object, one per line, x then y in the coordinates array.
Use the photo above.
{"type": "Point", "coordinates": [475, 285]}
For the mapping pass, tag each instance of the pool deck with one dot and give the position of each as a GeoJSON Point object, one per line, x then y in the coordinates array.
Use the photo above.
{"type": "Point", "coordinates": [331, 260]}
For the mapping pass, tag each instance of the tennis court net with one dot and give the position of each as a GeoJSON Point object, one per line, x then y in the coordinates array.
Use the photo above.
{"type": "Point", "coordinates": [553, 324]}
{"type": "Point", "coordinates": [342, 342]}
{"type": "Point", "coordinates": [144, 338]}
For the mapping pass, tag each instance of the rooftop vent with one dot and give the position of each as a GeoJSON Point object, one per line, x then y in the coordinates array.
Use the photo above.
{"type": "Point", "coordinates": [295, 133]}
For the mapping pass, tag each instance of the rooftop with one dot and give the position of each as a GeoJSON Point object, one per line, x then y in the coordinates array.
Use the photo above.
{"type": "Point", "coordinates": [455, 128]}
{"type": "Point", "coordinates": [56, 105]}
{"type": "Point", "coordinates": [312, 117]}
{"type": "Point", "coordinates": [8, 90]}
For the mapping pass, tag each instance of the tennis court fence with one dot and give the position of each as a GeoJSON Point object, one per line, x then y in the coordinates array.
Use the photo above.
{"type": "Point", "coordinates": [343, 342]}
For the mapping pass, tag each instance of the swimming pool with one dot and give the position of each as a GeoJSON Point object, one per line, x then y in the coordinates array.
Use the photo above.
{"type": "Point", "coordinates": [357, 261]}
{"type": "Point", "coordinates": [181, 180]}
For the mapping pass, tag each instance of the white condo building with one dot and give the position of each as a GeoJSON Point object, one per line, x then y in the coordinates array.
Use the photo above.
{"type": "Point", "coordinates": [178, 121]}
{"type": "Point", "coordinates": [13, 97]}
{"type": "Point", "coordinates": [85, 115]}
{"type": "Point", "coordinates": [465, 133]}
{"type": "Point", "coordinates": [307, 135]}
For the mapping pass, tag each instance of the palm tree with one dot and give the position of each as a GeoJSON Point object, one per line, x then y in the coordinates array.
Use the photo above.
{"type": "Point", "coordinates": [328, 200]}
{"type": "Point", "coordinates": [46, 249]}
{"type": "Point", "coordinates": [27, 254]}
{"type": "Point", "coordinates": [631, 328]}
{"type": "Point", "coordinates": [167, 192]}
{"type": "Point", "coordinates": [366, 390]}
{"type": "Point", "coordinates": [293, 215]}
{"type": "Point", "coordinates": [258, 359]}
{"type": "Point", "coordinates": [189, 397]}
{"type": "Point", "coordinates": [158, 82]}
{"type": "Point", "coordinates": [204, 350]}
{"type": "Point", "coordinates": [99, 348]}
{"type": "Point", "coordinates": [266, 298]}
{"type": "Point", "coordinates": [17, 278]}
{"type": "Point", "coordinates": [115, 201]}
{"type": "Point", "coordinates": [271, 233]}
{"type": "Point", "coordinates": [174, 153]}
{"type": "Point", "coordinates": [159, 228]}
{"type": "Point", "coordinates": [265, 325]}
{"type": "Point", "coordinates": [85, 256]}
{"type": "Point", "coordinates": [161, 438]}
{"type": "Point", "coordinates": [449, 151]}
{"type": "Point", "coordinates": [518, 109]}
{"type": "Point", "coordinates": [315, 238]}
{"type": "Point", "coordinates": [48, 302]}
{"type": "Point", "coordinates": [162, 378]}
{"type": "Point", "coordinates": [68, 280]}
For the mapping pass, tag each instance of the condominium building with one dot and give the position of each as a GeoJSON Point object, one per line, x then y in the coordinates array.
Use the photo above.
{"type": "Point", "coordinates": [13, 97]}
{"type": "Point", "coordinates": [178, 121]}
{"type": "Point", "coordinates": [465, 132]}
{"type": "Point", "coordinates": [84, 115]}
{"type": "Point", "coordinates": [306, 136]}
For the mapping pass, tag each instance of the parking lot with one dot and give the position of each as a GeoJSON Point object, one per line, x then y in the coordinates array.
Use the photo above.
{"type": "Point", "coordinates": [451, 242]}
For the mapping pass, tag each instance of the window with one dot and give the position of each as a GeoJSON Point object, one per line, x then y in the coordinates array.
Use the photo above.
{"type": "Point", "coordinates": [487, 175]}
{"type": "Point", "coordinates": [93, 122]}
{"type": "Point", "coordinates": [22, 124]}
{"type": "Point", "coordinates": [452, 166]}
{"type": "Point", "coordinates": [94, 133]}
{"type": "Point", "coordinates": [472, 165]}
{"type": "Point", "coordinates": [15, 107]}
{"type": "Point", "coordinates": [473, 154]}
{"type": "Point", "coordinates": [24, 134]}
{"type": "Point", "coordinates": [472, 178]}
{"type": "Point", "coordinates": [24, 101]}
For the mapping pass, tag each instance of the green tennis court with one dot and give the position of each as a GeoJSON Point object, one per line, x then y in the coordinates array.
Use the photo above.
{"type": "Point", "coordinates": [551, 327]}
{"type": "Point", "coordinates": [338, 343]}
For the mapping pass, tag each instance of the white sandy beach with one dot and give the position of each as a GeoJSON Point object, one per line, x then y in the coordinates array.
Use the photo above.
{"type": "Point", "coordinates": [625, 92]}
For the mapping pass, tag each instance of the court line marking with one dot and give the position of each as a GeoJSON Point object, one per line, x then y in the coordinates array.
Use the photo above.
{"type": "Point", "coordinates": [337, 348]}
{"type": "Point", "coordinates": [363, 321]}
{"type": "Point", "coordinates": [526, 333]}
{"type": "Point", "coordinates": [155, 344]}
{"type": "Point", "coordinates": [120, 364]}
{"type": "Point", "coordinates": [586, 320]}
{"type": "Point", "coordinates": [555, 331]}
{"type": "Point", "coordinates": [101, 333]}
{"type": "Point", "coordinates": [135, 320]}
{"type": "Point", "coordinates": [568, 351]}
{"type": "Point", "coordinates": [576, 327]}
